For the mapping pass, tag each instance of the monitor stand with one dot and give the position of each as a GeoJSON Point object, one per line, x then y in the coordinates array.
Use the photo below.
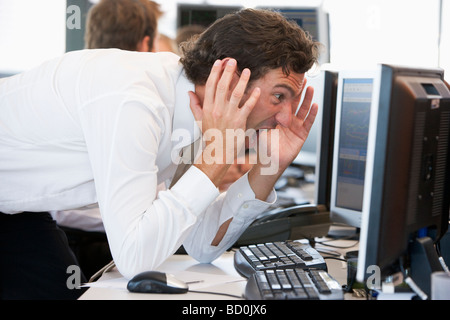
{"type": "Point", "coordinates": [340, 231]}
{"type": "Point", "coordinates": [424, 261]}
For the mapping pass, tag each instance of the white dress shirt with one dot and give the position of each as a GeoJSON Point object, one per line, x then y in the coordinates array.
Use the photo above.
{"type": "Point", "coordinates": [103, 126]}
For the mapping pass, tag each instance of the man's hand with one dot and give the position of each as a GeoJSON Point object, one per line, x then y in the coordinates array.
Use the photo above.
{"type": "Point", "coordinates": [280, 146]}
{"type": "Point", "coordinates": [220, 111]}
{"type": "Point", "coordinates": [292, 138]}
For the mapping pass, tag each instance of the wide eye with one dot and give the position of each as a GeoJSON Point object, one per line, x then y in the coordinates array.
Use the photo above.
{"type": "Point", "coordinates": [279, 96]}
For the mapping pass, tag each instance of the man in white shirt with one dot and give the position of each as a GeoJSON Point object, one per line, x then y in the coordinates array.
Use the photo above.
{"type": "Point", "coordinates": [108, 126]}
{"type": "Point", "coordinates": [123, 24]}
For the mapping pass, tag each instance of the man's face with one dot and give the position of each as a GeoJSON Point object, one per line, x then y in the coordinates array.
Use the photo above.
{"type": "Point", "coordinates": [279, 99]}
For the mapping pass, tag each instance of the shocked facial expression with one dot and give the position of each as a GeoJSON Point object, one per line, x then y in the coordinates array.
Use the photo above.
{"type": "Point", "coordinates": [278, 102]}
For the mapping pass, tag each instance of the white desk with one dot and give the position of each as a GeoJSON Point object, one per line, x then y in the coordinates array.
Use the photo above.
{"type": "Point", "coordinates": [219, 276]}
{"type": "Point", "coordinates": [181, 266]}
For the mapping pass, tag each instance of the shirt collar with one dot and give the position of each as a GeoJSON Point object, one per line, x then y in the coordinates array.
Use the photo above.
{"type": "Point", "coordinates": [183, 119]}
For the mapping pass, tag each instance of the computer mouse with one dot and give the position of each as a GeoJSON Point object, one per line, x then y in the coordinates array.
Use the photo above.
{"type": "Point", "coordinates": [156, 282]}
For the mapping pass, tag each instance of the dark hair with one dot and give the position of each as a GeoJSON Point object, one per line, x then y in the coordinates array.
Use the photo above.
{"type": "Point", "coordinates": [186, 32]}
{"type": "Point", "coordinates": [121, 24]}
{"type": "Point", "coordinates": [260, 40]}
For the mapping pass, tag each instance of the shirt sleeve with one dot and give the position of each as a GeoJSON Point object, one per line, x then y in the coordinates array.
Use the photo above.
{"type": "Point", "coordinates": [144, 227]}
{"type": "Point", "coordinates": [239, 203]}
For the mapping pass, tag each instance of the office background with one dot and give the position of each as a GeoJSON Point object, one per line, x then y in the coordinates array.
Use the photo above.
{"type": "Point", "coordinates": [406, 32]}
{"type": "Point", "coordinates": [361, 33]}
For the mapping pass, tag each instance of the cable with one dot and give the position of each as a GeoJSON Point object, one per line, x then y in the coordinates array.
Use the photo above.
{"type": "Point", "coordinates": [422, 295]}
{"type": "Point", "coordinates": [335, 246]}
{"type": "Point", "coordinates": [334, 258]}
{"type": "Point", "coordinates": [102, 271]}
{"type": "Point", "coordinates": [335, 253]}
{"type": "Point", "coordinates": [350, 237]}
{"type": "Point", "coordinates": [328, 252]}
{"type": "Point", "coordinates": [217, 293]}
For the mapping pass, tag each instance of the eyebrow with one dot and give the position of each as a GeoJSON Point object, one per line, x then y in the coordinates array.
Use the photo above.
{"type": "Point", "coordinates": [288, 88]}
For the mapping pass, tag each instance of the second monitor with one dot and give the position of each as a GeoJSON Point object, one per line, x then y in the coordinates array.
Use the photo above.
{"type": "Point", "coordinates": [354, 98]}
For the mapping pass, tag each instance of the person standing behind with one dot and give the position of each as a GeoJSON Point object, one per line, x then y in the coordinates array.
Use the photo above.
{"type": "Point", "coordinates": [124, 24]}
{"type": "Point", "coordinates": [164, 43]}
{"type": "Point", "coordinates": [186, 32]}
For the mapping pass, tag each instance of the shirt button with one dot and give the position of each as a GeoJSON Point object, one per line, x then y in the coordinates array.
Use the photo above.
{"type": "Point", "coordinates": [245, 206]}
{"type": "Point", "coordinates": [239, 195]}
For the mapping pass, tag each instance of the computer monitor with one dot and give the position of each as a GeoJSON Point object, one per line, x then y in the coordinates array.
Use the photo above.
{"type": "Point", "coordinates": [201, 14]}
{"type": "Point", "coordinates": [314, 20]}
{"type": "Point", "coordinates": [321, 83]}
{"type": "Point", "coordinates": [325, 121]}
{"type": "Point", "coordinates": [407, 187]}
{"type": "Point", "coordinates": [354, 99]}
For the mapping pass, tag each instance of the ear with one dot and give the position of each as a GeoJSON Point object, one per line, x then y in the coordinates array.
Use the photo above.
{"type": "Point", "coordinates": [142, 45]}
{"type": "Point", "coordinates": [196, 106]}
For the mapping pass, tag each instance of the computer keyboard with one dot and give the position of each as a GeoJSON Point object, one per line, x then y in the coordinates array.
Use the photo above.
{"type": "Point", "coordinates": [293, 284]}
{"type": "Point", "coordinates": [277, 255]}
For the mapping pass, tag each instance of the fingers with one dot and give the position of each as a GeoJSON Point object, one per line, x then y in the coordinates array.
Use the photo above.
{"type": "Point", "coordinates": [306, 114]}
{"type": "Point", "coordinates": [238, 93]}
{"type": "Point", "coordinates": [251, 102]}
{"type": "Point", "coordinates": [211, 83]}
{"type": "Point", "coordinates": [223, 86]}
{"type": "Point", "coordinates": [218, 82]}
{"type": "Point", "coordinates": [239, 90]}
{"type": "Point", "coordinates": [307, 100]}
{"type": "Point", "coordinates": [219, 85]}
{"type": "Point", "coordinates": [305, 81]}
{"type": "Point", "coordinates": [309, 121]}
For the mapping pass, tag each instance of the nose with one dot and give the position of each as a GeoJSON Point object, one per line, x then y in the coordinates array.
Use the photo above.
{"type": "Point", "coordinates": [284, 116]}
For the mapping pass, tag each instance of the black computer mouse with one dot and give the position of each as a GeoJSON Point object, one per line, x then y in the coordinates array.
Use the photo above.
{"type": "Point", "coordinates": [156, 282]}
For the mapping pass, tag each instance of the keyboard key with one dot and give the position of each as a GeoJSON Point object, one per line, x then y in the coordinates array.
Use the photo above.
{"type": "Point", "coordinates": [303, 277]}
{"type": "Point", "coordinates": [273, 280]}
{"type": "Point", "coordinates": [312, 294]}
{"type": "Point", "coordinates": [277, 255]}
{"type": "Point", "coordinates": [283, 279]}
{"type": "Point", "coordinates": [293, 278]}
{"type": "Point", "coordinates": [262, 281]}
{"type": "Point", "coordinates": [277, 252]}
{"type": "Point", "coordinates": [300, 293]}
{"type": "Point", "coordinates": [304, 255]}
{"type": "Point", "coordinates": [293, 284]}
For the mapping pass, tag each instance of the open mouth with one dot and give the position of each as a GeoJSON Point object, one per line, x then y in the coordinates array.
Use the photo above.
{"type": "Point", "coordinates": [254, 138]}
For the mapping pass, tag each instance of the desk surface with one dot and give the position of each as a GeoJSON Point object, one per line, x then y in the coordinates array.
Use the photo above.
{"type": "Point", "coordinates": [218, 277]}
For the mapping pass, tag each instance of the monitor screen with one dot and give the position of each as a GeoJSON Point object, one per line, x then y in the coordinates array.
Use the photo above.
{"type": "Point", "coordinates": [203, 15]}
{"type": "Point", "coordinates": [308, 155]}
{"type": "Point", "coordinates": [407, 183]}
{"type": "Point", "coordinates": [350, 146]}
{"type": "Point", "coordinates": [312, 19]}
{"type": "Point", "coordinates": [305, 18]}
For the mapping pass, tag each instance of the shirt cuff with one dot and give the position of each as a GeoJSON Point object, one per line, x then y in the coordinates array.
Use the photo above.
{"type": "Point", "coordinates": [196, 190]}
{"type": "Point", "coordinates": [241, 204]}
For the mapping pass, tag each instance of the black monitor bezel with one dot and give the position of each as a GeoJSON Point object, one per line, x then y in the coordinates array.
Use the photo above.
{"type": "Point", "coordinates": [389, 153]}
